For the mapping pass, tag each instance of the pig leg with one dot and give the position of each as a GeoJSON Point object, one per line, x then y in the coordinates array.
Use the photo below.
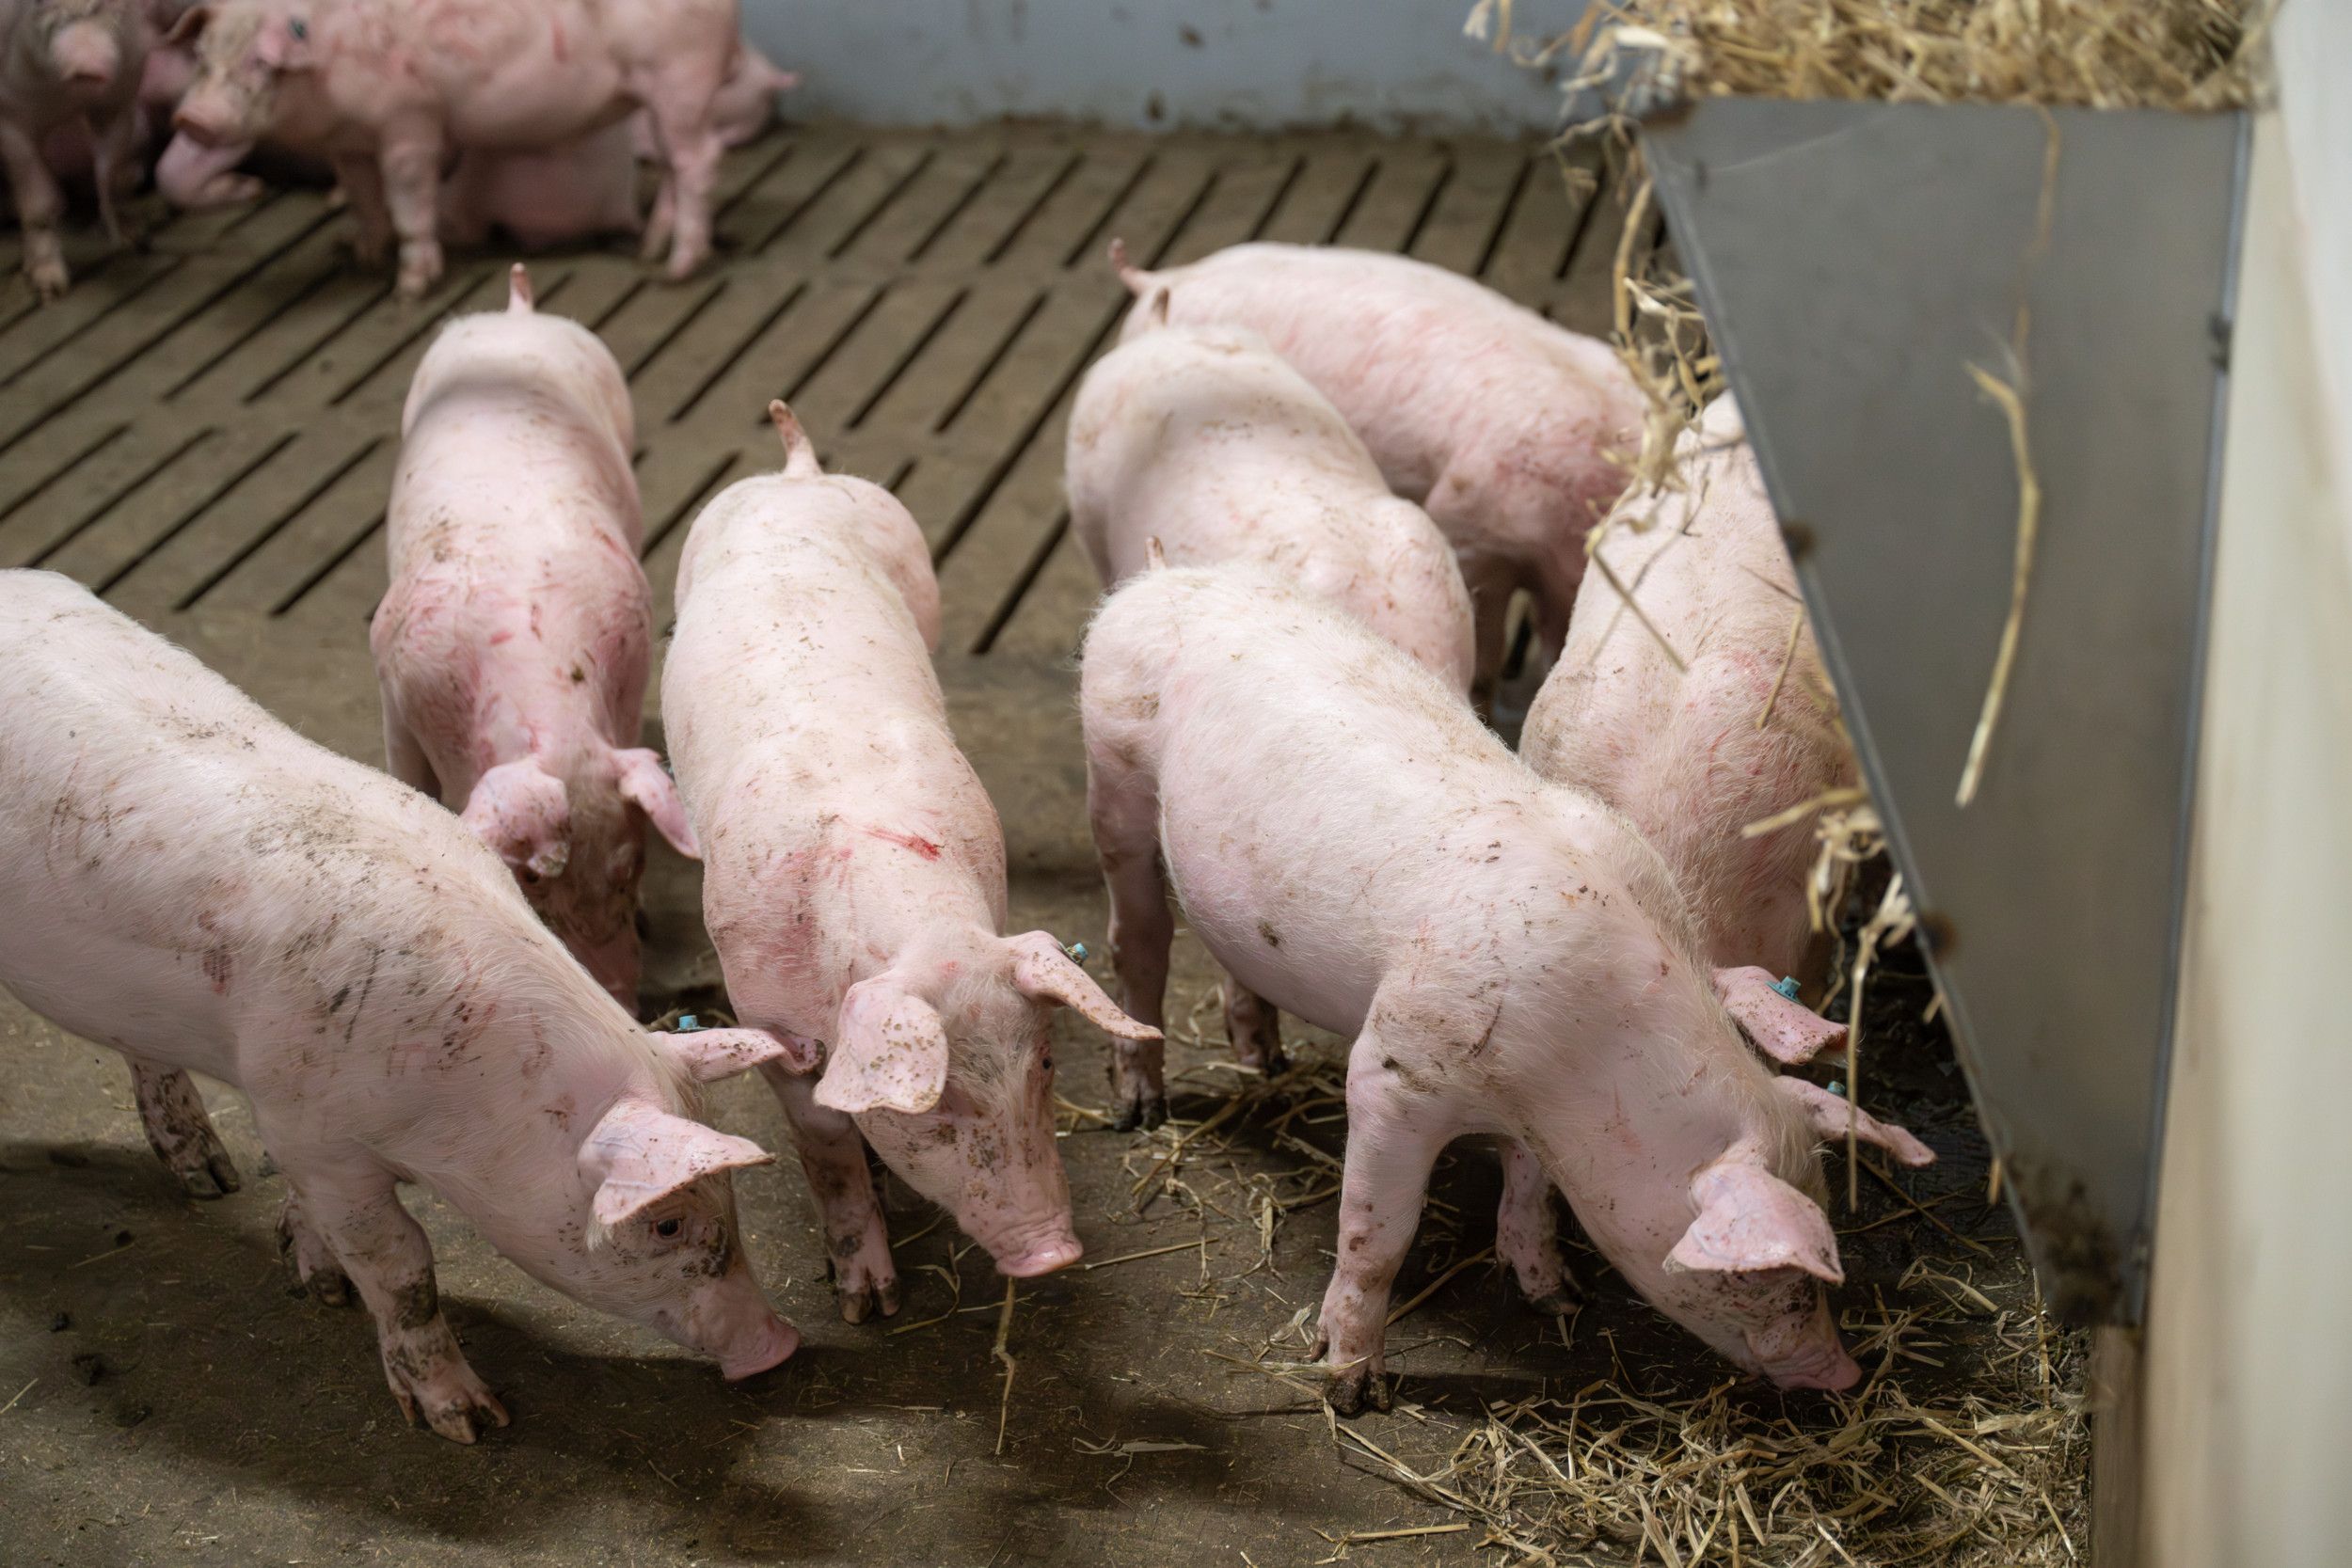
{"type": "Point", "coordinates": [114, 165]}
{"type": "Point", "coordinates": [411, 165]}
{"type": "Point", "coordinates": [1253, 1026]}
{"type": "Point", "coordinates": [386, 1256]}
{"type": "Point", "coordinates": [39, 205]}
{"type": "Point", "coordinates": [1527, 1235]}
{"type": "Point", "coordinates": [1124, 810]}
{"type": "Point", "coordinates": [832, 1157]}
{"type": "Point", "coordinates": [362, 183]}
{"type": "Point", "coordinates": [405, 758]}
{"type": "Point", "coordinates": [312, 1259]}
{"type": "Point", "coordinates": [690, 148]}
{"type": "Point", "coordinates": [181, 1133]}
{"type": "Point", "coordinates": [1394, 1133]}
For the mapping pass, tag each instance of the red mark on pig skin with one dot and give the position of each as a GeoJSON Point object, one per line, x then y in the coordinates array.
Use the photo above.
{"type": "Point", "coordinates": [218, 963]}
{"type": "Point", "coordinates": [922, 847]}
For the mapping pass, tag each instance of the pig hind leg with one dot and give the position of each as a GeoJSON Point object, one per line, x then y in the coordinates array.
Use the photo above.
{"type": "Point", "coordinates": [307, 1253]}
{"type": "Point", "coordinates": [832, 1157]}
{"type": "Point", "coordinates": [1123, 808]}
{"type": "Point", "coordinates": [1395, 1132]}
{"type": "Point", "coordinates": [1253, 1026]}
{"type": "Point", "coordinates": [386, 1256]}
{"type": "Point", "coordinates": [181, 1133]}
{"type": "Point", "coordinates": [361, 182]}
{"type": "Point", "coordinates": [39, 206]}
{"type": "Point", "coordinates": [1526, 1235]}
{"type": "Point", "coordinates": [681, 101]}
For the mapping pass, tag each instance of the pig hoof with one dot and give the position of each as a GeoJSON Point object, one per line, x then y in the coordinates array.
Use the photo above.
{"type": "Point", "coordinates": [49, 280]}
{"type": "Point", "coordinates": [1142, 1114]}
{"type": "Point", "coordinates": [454, 1402]}
{"type": "Point", "coordinates": [864, 1301]}
{"type": "Point", "coordinates": [1558, 1303]}
{"type": "Point", "coordinates": [1350, 1389]}
{"type": "Point", "coordinates": [204, 1169]}
{"type": "Point", "coordinates": [330, 1288]}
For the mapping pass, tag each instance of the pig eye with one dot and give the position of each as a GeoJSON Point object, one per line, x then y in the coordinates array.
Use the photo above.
{"type": "Point", "coordinates": [669, 1228]}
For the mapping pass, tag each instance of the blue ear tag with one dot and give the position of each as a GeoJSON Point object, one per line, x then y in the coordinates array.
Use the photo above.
{"type": "Point", "coordinates": [1786, 985]}
{"type": "Point", "coordinates": [687, 1023]}
{"type": "Point", "coordinates": [1078, 952]}
{"type": "Point", "coordinates": [297, 29]}
{"type": "Point", "coordinates": [1838, 1088]}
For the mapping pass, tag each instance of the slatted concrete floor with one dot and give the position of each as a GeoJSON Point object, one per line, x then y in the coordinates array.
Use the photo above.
{"type": "Point", "coordinates": [210, 425]}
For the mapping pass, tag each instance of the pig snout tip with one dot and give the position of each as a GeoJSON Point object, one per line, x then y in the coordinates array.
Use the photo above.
{"type": "Point", "coordinates": [774, 1346]}
{"type": "Point", "coordinates": [1834, 1372]}
{"type": "Point", "coordinates": [1057, 1251]}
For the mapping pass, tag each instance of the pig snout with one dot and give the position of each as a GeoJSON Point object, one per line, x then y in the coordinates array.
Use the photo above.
{"type": "Point", "coordinates": [1043, 1255]}
{"type": "Point", "coordinates": [728, 1320]}
{"type": "Point", "coordinates": [86, 54]}
{"type": "Point", "coordinates": [1805, 1353]}
{"type": "Point", "coordinates": [208, 117]}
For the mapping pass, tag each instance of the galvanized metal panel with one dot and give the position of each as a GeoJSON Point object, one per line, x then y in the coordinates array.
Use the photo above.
{"type": "Point", "coordinates": [1853, 260]}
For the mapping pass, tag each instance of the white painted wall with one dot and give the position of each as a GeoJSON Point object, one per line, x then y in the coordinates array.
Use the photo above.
{"type": "Point", "coordinates": [1261, 64]}
{"type": "Point", "coordinates": [2248, 1362]}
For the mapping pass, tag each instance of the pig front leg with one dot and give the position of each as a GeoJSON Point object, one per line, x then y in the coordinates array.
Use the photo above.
{"type": "Point", "coordinates": [1395, 1130]}
{"type": "Point", "coordinates": [1123, 809]}
{"type": "Point", "coordinates": [307, 1253]}
{"type": "Point", "coordinates": [1253, 1026]}
{"type": "Point", "coordinates": [39, 205]}
{"type": "Point", "coordinates": [181, 1133]}
{"type": "Point", "coordinates": [1526, 1235]}
{"type": "Point", "coordinates": [386, 1256]}
{"type": "Point", "coordinates": [832, 1157]}
{"type": "Point", "coordinates": [411, 166]}
{"type": "Point", "coordinates": [404, 755]}
{"type": "Point", "coordinates": [114, 165]}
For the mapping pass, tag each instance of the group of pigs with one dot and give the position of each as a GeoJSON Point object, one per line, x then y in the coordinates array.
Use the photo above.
{"type": "Point", "coordinates": [435, 121]}
{"type": "Point", "coordinates": [1313, 480]}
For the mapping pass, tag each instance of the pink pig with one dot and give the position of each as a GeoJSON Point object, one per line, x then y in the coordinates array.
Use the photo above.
{"type": "Point", "coordinates": [1202, 442]}
{"type": "Point", "coordinates": [385, 88]}
{"type": "Point", "coordinates": [1509, 430]}
{"type": "Point", "coordinates": [66, 63]}
{"type": "Point", "coordinates": [1742, 731]}
{"type": "Point", "coordinates": [220, 896]}
{"type": "Point", "coordinates": [856, 874]}
{"type": "Point", "coordinates": [512, 645]}
{"type": "Point", "coordinates": [1510, 955]}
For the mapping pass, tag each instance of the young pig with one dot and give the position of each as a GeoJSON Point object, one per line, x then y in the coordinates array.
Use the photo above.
{"type": "Point", "coordinates": [513, 643]}
{"type": "Point", "coordinates": [1202, 440]}
{"type": "Point", "coordinates": [854, 872]}
{"type": "Point", "coordinates": [63, 62]}
{"type": "Point", "coordinates": [387, 88]}
{"type": "Point", "coordinates": [1512, 959]}
{"type": "Point", "coordinates": [1741, 733]}
{"type": "Point", "coordinates": [220, 896]}
{"type": "Point", "coordinates": [1506, 428]}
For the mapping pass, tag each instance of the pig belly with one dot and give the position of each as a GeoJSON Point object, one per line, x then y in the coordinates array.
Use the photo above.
{"type": "Point", "coordinates": [1277, 946]}
{"type": "Point", "coordinates": [538, 100]}
{"type": "Point", "coordinates": [170, 1008]}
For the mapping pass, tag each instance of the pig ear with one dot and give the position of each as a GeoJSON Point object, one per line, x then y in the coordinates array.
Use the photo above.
{"type": "Point", "coordinates": [891, 1052]}
{"type": "Point", "coordinates": [1830, 1113]}
{"type": "Point", "coordinates": [640, 1155]}
{"type": "Point", "coordinates": [1751, 1221]}
{"type": "Point", "coordinates": [1782, 1028]}
{"type": "Point", "coordinates": [710, 1054]}
{"type": "Point", "coordinates": [190, 26]}
{"type": "Point", "coordinates": [519, 809]}
{"type": "Point", "coordinates": [647, 786]}
{"type": "Point", "coordinates": [1044, 972]}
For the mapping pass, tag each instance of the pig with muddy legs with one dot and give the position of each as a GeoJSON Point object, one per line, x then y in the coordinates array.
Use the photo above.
{"type": "Point", "coordinates": [1510, 957]}
{"type": "Point", "coordinates": [220, 895]}
{"type": "Point", "coordinates": [513, 641]}
{"type": "Point", "coordinates": [854, 872]}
